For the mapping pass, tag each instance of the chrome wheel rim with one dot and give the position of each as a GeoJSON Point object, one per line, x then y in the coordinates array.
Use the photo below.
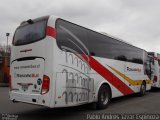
{"type": "Point", "coordinates": [104, 98]}
{"type": "Point", "coordinates": [143, 89]}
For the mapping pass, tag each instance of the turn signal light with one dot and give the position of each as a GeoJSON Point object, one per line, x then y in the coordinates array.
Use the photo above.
{"type": "Point", "coordinates": [45, 84]}
{"type": "Point", "coordinates": [155, 79]}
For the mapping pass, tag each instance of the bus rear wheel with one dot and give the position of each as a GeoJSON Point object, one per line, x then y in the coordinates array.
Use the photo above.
{"type": "Point", "coordinates": [104, 97]}
{"type": "Point", "coordinates": [143, 89]}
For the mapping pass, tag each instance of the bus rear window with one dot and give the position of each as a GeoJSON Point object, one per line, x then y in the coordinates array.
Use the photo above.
{"type": "Point", "coordinates": [29, 33]}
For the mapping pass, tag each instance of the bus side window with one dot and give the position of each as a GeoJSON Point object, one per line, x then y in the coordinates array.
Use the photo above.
{"type": "Point", "coordinates": [159, 61]}
{"type": "Point", "coordinates": [147, 68]}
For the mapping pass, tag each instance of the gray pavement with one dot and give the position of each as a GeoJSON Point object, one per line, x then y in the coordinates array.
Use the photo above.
{"type": "Point", "coordinates": [132, 104]}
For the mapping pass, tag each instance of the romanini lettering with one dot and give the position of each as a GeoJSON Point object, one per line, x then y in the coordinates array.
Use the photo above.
{"type": "Point", "coordinates": [133, 69]}
{"type": "Point", "coordinates": [26, 75]}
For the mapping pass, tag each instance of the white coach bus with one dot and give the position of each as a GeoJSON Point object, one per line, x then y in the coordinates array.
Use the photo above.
{"type": "Point", "coordinates": [56, 63]}
{"type": "Point", "coordinates": [156, 69]}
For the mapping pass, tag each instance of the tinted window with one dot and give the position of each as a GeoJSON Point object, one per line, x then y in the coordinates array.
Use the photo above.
{"type": "Point", "coordinates": [147, 65]}
{"type": "Point", "coordinates": [30, 33]}
{"type": "Point", "coordinates": [107, 47]}
{"type": "Point", "coordinates": [73, 38]}
{"type": "Point", "coordinates": [158, 55]}
{"type": "Point", "coordinates": [151, 54]}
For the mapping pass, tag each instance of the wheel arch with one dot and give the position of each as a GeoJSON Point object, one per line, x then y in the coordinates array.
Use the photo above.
{"type": "Point", "coordinates": [103, 83]}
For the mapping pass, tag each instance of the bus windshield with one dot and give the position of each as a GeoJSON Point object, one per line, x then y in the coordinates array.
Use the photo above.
{"type": "Point", "coordinates": [29, 33]}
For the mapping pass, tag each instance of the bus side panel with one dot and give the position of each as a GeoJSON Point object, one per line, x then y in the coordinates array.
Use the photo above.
{"type": "Point", "coordinates": [156, 83]}
{"type": "Point", "coordinates": [73, 83]}
{"type": "Point", "coordinates": [158, 76]}
{"type": "Point", "coordinates": [134, 73]}
{"type": "Point", "coordinates": [100, 79]}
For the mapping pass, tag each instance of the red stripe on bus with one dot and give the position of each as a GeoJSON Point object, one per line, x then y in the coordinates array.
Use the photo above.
{"type": "Point", "coordinates": [51, 32]}
{"type": "Point", "coordinates": [109, 76]}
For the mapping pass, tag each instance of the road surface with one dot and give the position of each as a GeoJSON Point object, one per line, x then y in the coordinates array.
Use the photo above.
{"type": "Point", "coordinates": [132, 104]}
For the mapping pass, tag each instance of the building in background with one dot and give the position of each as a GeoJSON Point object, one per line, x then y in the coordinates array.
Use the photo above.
{"type": "Point", "coordinates": [4, 66]}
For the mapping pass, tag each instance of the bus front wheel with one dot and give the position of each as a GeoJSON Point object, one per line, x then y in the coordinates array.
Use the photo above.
{"type": "Point", "coordinates": [104, 97]}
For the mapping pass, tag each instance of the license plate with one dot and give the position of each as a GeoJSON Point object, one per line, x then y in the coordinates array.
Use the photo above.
{"type": "Point", "coordinates": [24, 87]}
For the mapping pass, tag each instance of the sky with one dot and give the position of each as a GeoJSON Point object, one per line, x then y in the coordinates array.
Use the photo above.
{"type": "Point", "coordinates": [134, 21]}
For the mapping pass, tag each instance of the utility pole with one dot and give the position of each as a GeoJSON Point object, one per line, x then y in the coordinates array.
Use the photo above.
{"type": "Point", "coordinates": [7, 35]}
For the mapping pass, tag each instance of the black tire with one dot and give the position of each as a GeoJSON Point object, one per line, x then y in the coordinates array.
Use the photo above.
{"type": "Point", "coordinates": [142, 89]}
{"type": "Point", "coordinates": [104, 97]}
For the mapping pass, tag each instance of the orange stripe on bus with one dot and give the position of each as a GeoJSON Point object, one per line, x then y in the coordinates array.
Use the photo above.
{"type": "Point", "coordinates": [128, 79]}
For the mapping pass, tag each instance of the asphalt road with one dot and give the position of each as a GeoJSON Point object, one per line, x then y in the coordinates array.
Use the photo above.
{"type": "Point", "coordinates": [132, 104]}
